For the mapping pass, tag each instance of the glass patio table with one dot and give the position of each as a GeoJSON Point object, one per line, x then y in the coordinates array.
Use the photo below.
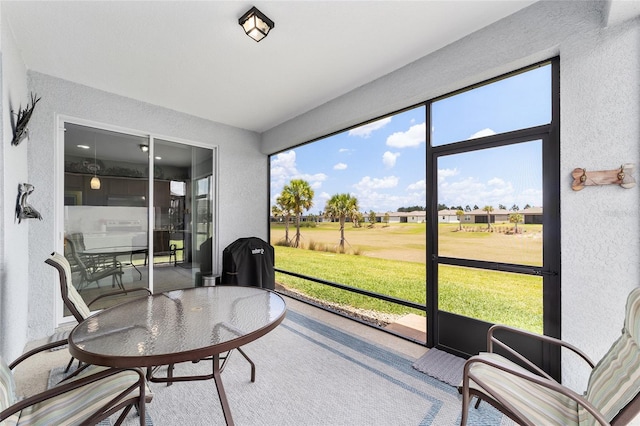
{"type": "Point", "coordinates": [178, 326]}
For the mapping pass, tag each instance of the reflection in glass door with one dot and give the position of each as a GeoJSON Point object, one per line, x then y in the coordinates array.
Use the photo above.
{"type": "Point", "coordinates": [105, 212]}
{"type": "Point", "coordinates": [183, 215]}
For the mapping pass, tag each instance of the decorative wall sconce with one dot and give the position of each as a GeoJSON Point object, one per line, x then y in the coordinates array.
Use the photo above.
{"type": "Point", "coordinates": [20, 130]}
{"type": "Point", "coordinates": [256, 24]}
{"type": "Point", "coordinates": [621, 176]}
{"type": "Point", "coordinates": [23, 208]}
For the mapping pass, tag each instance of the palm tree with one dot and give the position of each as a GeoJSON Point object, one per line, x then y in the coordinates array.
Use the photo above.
{"type": "Point", "coordinates": [341, 206]}
{"type": "Point", "coordinates": [515, 218]}
{"type": "Point", "coordinates": [299, 197]}
{"type": "Point", "coordinates": [357, 218]}
{"type": "Point", "coordinates": [459, 213]}
{"type": "Point", "coordinates": [488, 209]}
{"type": "Point", "coordinates": [282, 209]}
{"type": "Point", "coordinates": [372, 218]}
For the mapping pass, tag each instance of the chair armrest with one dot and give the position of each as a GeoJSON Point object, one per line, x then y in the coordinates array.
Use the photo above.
{"type": "Point", "coordinates": [526, 375]}
{"type": "Point", "coordinates": [115, 293]}
{"type": "Point", "coordinates": [491, 340]}
{"type": "Point", "coordinates": [67, 386]}
{"type": "Point", "coordinates": [34, 351]}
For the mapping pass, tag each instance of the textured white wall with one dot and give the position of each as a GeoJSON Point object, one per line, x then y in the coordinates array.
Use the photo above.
{"type": "Point", "coordinates": [243, 197]}
{"type": "Point", "coordinates": [600, 225]}
{"type": "Point", "coordinates": [600, 100]}
{"type": "Point", "coordinates": [13, 236]}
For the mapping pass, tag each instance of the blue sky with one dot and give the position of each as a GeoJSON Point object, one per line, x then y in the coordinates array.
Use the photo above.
{"type": "Point", "coordinates": [383, 164]}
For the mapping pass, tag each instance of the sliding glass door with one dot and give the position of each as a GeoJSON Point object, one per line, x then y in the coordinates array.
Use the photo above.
{"type": "Point", "coordinates": [183, 215]}
{"type": "Point", "coordinates": [119, 219]}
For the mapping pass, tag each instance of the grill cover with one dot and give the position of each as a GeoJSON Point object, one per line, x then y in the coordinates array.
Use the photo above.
{"type": "Point", "coordinates": [248, 261]}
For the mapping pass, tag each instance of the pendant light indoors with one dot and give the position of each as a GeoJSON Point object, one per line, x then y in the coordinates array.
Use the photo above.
{"type": "Point", "coordinates": [256, 24]}
{"type": "Point", "coordinates": [95, 180]}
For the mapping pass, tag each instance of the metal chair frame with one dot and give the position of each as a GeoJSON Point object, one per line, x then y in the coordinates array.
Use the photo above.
{"type": "Point", "coordinates": [124, 401]}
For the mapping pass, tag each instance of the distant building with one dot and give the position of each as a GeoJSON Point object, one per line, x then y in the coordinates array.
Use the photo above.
{"type": "Point", "coordinates": [447, 216]}
{"type": "Point", "coordinates": [532, 215]}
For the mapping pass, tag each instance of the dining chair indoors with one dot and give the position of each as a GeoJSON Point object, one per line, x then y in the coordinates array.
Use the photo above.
{"type": "Point", "coordinates": [91, 268]}
{"type": "Point", "coordinates": [86, 397]}
{"type": "Point", "coordinates": [72, 298]}
{"type": "Point", "coordinates": [530, 396]}
{"type": "Point", "coordinates": [174, 248]}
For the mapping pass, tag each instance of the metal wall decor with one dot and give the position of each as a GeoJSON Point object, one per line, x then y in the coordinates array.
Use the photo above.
{"type": "Point", "coordinates": [621, 176]}
{"type": "Point", "coordinates": [20, 130]}
{"type": "Point", "coordinates": [23, 209]}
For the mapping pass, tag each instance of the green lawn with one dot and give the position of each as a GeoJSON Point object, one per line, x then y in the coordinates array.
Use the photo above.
{"type": "Point", "coordinates": [392, 263]}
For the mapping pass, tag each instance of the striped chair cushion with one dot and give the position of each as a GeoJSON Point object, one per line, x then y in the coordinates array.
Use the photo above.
{"type": "Point", "coordinates": [614, 381]}
{"type": "Point", "coordinates": [92, 369]}
{"type": "Point", "coordinates": [73, 294]}
{"type": "Point", "coordinates": [78, 405]}
{"type": "Point", "coordinates": [7, 392]}
{"type": "Point", "coordinates": [632, 314]}
{"type": "Point", "coordinates": [541, 405]}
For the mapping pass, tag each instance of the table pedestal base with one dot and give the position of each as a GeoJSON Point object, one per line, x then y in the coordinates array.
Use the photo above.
{"type": "Point", "coordinates": [215, 375]}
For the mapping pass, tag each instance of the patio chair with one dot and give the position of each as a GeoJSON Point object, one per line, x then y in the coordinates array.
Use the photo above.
{"type": "Point", "coordinates": [173, 247]}
{"type": "Point", "coordinates": [86, 397]}
{"type": "Point", "coordinates": [72, 298]}
{"type": "Point", "coordinates": [92, 268]}
{"type": "Point", "coordinates": [530, 396]}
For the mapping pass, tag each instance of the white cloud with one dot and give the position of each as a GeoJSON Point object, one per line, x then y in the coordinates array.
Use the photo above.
{"type": "Point", "coordinates": [420, 185]}
{"type": "Point", "coordinates": [529, 196]}
{"type": "Point", "coordinates": [340, 166]}
{"type": "Point", "coordinates": [472, 191]}
{"type": "Point", "coordinates": [482, 133]}
{"type": "Point", "coordinates": [345, 150]}
{"type": "Point", "coordinates": [366, 130]}
{"type": "Point", "coordinates": [389, 158]}
{"type": "Point", "coordinates": [381, 202]}
{"type": "Point", "coordinates": [497, 182]}
{"type": "Point", "coordinates": [283, 164]}
{"type": "Point", "coordinates": [368, 184]}
{"type": "Point", "coordinates": [462, 192]}
{"type": "Point", "coordinates": [409, 139]}
{"type": "Point", "coordinates": [312, 179]}
{"type": "Point", "coordinates": [283, 169]}
{"type": "Point", "coordinates": [445, 173]}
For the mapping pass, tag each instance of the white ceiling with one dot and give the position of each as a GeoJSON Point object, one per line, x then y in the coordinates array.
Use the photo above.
{"type": "Point", "coordinates": [193, 57]}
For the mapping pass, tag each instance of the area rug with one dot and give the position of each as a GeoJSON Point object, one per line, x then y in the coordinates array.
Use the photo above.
{"type": "Point", "coordinates": [441, 365]}
{"type": "Point", "coordinates": [309, 373]}
{"type": "Point", "coordinates": [57, 337]}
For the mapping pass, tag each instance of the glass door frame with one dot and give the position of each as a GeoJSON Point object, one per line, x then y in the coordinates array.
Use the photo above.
{"type": "Point", "coordinates": [470, 334]}
{"type": "Point", "coordinates": [59, 170]}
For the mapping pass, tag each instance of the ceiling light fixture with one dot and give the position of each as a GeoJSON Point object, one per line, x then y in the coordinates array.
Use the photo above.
{"type": "Point", "coordinates": [95, 180]}
{"type": "Point", "coordinates": [256, 24]}
{"type": "Point", "coordinates": [144, 148]}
